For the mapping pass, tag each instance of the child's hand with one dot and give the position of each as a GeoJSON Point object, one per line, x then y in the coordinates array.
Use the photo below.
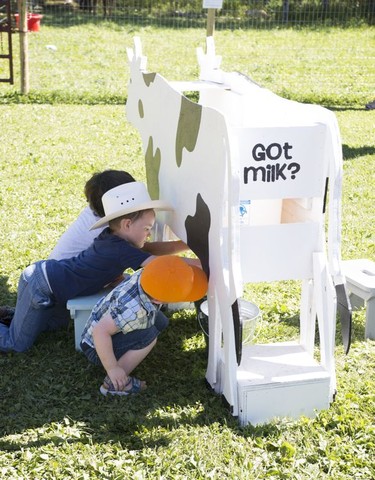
{"type": "Point", "coordinates": [118, 377]}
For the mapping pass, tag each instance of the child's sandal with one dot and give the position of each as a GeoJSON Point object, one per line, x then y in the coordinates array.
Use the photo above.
{"type": "Point", "coordinates": [133, 386]}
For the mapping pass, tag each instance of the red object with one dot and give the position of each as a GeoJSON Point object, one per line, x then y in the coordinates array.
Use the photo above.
{"type": "Point", "coordinates": [33, 21]}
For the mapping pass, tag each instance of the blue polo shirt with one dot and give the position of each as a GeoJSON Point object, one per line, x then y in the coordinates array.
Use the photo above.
{"type": "Point", "coordinates": [107, 258]}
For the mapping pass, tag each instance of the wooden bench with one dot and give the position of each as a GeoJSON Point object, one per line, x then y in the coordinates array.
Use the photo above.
{"type": "Point", "coordinates": [80, 309]}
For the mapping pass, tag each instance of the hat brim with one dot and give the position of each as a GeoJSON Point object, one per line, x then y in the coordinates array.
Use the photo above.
{"type": "Point", "coordinates": [154, 204]}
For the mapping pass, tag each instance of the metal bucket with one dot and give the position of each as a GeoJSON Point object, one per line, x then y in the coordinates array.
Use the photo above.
{"type": "Point", "coordinates": [249, 316]}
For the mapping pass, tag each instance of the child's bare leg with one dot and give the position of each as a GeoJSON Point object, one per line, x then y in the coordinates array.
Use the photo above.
{"type": "Point", "coordinates": [128, 362]}
{"type": "Point", "coordinates": [132, 358]}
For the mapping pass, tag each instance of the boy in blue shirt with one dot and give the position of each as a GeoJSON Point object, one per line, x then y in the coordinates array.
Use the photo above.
{"type": "Point", "coordinates": [78, 236]}
{"type": "Point", "coordinates": [123, 326]}
{"type": "Point", "coordinates": [46, 286]}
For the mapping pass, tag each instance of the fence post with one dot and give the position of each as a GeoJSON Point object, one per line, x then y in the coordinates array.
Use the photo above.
{"type": "Point", "coordinates": [210, 22]}
{"type": "Point", "coordinates": [285, 11]}
{"type": "Point", "coordinates": [24, 46]}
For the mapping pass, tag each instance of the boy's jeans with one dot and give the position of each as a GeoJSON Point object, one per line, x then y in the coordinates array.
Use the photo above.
{"type": "Point", "coordinates": [35, 312]}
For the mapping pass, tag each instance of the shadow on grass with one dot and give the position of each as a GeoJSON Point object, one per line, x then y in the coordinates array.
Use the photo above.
{"type": "Point", "coordinates": [358, 327]}
{"type": "Point", "coordinates": [52, 382]}
{"type": "Point", "coordinates": [346, 108]}
{"type": "Point", "coordinates": [61, 97]}
{"type": "Point", "coordinates": [6, 297]}
{"type": "Point", "coordinates": [53, 391]}
{"type": "Point", "coordinates": [350, 153]}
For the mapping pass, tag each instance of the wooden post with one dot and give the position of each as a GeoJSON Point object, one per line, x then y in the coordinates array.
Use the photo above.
{"type": "Point", "coordinates": [210, 22]}
{"type": "Point", "coordinates": [24, 46]}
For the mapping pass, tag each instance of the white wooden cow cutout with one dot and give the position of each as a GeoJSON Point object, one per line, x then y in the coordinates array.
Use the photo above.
{"type": "Point", "coordinates": [187, 160]}
{"type": "Point", "coordinates": [242, 143]}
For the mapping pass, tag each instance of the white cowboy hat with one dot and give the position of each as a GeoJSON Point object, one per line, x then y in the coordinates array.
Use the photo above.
{"type": "Point", "coordinates": [128, 198]}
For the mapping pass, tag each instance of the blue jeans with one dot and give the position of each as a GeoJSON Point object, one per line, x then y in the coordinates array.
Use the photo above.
{"type": "Point", "coordinates": [135, 340]}
{"type": "Point", "coordinates": [36, 312]}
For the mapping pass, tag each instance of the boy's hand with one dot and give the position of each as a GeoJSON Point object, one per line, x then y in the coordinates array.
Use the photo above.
{"type": "Point", "coordinates": [102, 334]}
{"type": "Point", "coordinates": [118, 377]}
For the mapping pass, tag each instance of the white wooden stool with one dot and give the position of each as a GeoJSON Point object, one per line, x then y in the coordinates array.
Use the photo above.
{"type": "Point", "coordinates": [360, 280]}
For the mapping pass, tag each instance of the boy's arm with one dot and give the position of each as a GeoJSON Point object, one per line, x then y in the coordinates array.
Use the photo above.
{"type": "Point", "coordinates": [168, 248]}
{"type": "Point", "coordinates": [191, 261]}
{"type": "Point", "coordinates": [165, 248]}
{"type": "Point", "coordinates": [102, 335]}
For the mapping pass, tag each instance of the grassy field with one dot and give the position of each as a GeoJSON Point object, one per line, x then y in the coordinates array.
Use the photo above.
{"type": "Point", "coordinates": [54, 424]}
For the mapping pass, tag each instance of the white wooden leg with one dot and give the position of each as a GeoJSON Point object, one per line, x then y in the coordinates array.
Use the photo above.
{"type": "Point", "coordinates": [214, 343]}
{"type": "Point", "coordinates": [307, 317]}
{"type": "Point", "coordinates": [370, 319]}
{"type": "Point", "coordinates": [229, 380]}
{"type": "Point", "coordinates": [325, 300]}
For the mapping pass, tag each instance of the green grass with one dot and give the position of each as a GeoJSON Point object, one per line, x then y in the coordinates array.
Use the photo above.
{"type": "Point", "coordinates": [54, 424]}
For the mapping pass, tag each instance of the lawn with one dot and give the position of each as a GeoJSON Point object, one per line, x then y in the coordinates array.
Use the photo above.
{"type": "Point", "coordinates": [54, 423]}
